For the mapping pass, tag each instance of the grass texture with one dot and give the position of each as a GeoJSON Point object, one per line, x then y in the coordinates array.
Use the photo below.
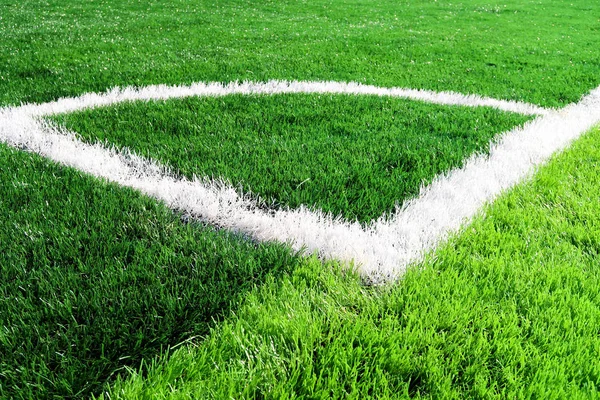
{"type": "Point", "coordinates": [539, 52]}
{"type": "Point", "coordinates": [509, 308]}
{"type": "Point", "coordinates": [355, 156]}
{"type": "Point", "coordinates": [94, 278]}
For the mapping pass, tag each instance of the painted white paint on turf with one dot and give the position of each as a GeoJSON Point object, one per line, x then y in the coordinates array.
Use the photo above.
{"type": "Point", "coordinates": [452, 199]}
{"type": "Point", "coordinates": [381, 250]}
{"type": "Point", "coordinates": [164, 92]}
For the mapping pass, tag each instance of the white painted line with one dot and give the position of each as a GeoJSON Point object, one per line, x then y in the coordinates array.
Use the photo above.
{"type": "Point", "coordinates": [163, 92]}
{"type": "Point", "coordinates": [452, 199]}
{"type": "Point", "coordinates": [381, 250]}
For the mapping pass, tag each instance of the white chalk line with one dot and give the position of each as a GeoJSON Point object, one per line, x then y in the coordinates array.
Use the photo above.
{"type": "Point", "coordinates": [164, 92]}
{"type": "Point", "coordinates": [381, 250]}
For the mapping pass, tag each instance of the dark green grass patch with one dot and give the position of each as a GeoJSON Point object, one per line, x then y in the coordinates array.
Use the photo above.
{"type": "Point", "coordinates": [544, 52]}
{"type": "Point", "coordinates": [351, 155]}
{"type": "Point", "coordinates": [510, 308]}
{"type": "Point", "coordinates": [94, 278]}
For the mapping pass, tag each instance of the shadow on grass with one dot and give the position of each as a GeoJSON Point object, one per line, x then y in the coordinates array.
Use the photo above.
{"type": "Point", "coordinates": [95, 278]}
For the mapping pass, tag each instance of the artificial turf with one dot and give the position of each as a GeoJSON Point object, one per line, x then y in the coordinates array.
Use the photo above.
{"type": "Point", "coordinates": [508, 308]}
{"type": "Point", "coordinates": [94, 278]}
{"type": "Point", "coordinates": [543, 52]}
{"type": "Point", "coordinates": [351, 156]}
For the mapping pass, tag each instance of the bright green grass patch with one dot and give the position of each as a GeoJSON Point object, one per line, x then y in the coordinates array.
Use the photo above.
{"type": "Point", "coordinates": [543, 52]}
{"type": "Point", "coordinates": [510, 308]}
{"type": "Point", "coordinates": [94, 278]}
{"type": "Point", "coordinates": [355, 156]}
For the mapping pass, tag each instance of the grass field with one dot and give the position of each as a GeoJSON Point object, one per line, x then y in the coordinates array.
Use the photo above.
{"type": "Point", "coordinates": [96, 277]}
{"type": "Point", "coordinates": [541, 52]}
{"type": "Point", "coordinates": [507, 309]}
{"type": "Point", "coordinates": [106, 292]}
{"type": "Point", "coordinates": [350, 156]}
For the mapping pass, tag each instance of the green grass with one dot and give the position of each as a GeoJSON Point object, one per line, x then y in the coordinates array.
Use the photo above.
{"type": "Point", "coordinates": [510, 308]}
{"type": "Point", "coordinates": [543, 52]}
{"type": "Point", "coordinates": [355, 156]}
{"type": "Point", "coordinates": [94, 278]}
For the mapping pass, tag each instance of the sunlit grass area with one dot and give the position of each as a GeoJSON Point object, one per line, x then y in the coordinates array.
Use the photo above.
{"type": "Point", "coordinates": [508, 308]}
{"type": "Point", "coordinates": [106, 292]}
{"type": "Point", "coordinates": [540, 52]}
